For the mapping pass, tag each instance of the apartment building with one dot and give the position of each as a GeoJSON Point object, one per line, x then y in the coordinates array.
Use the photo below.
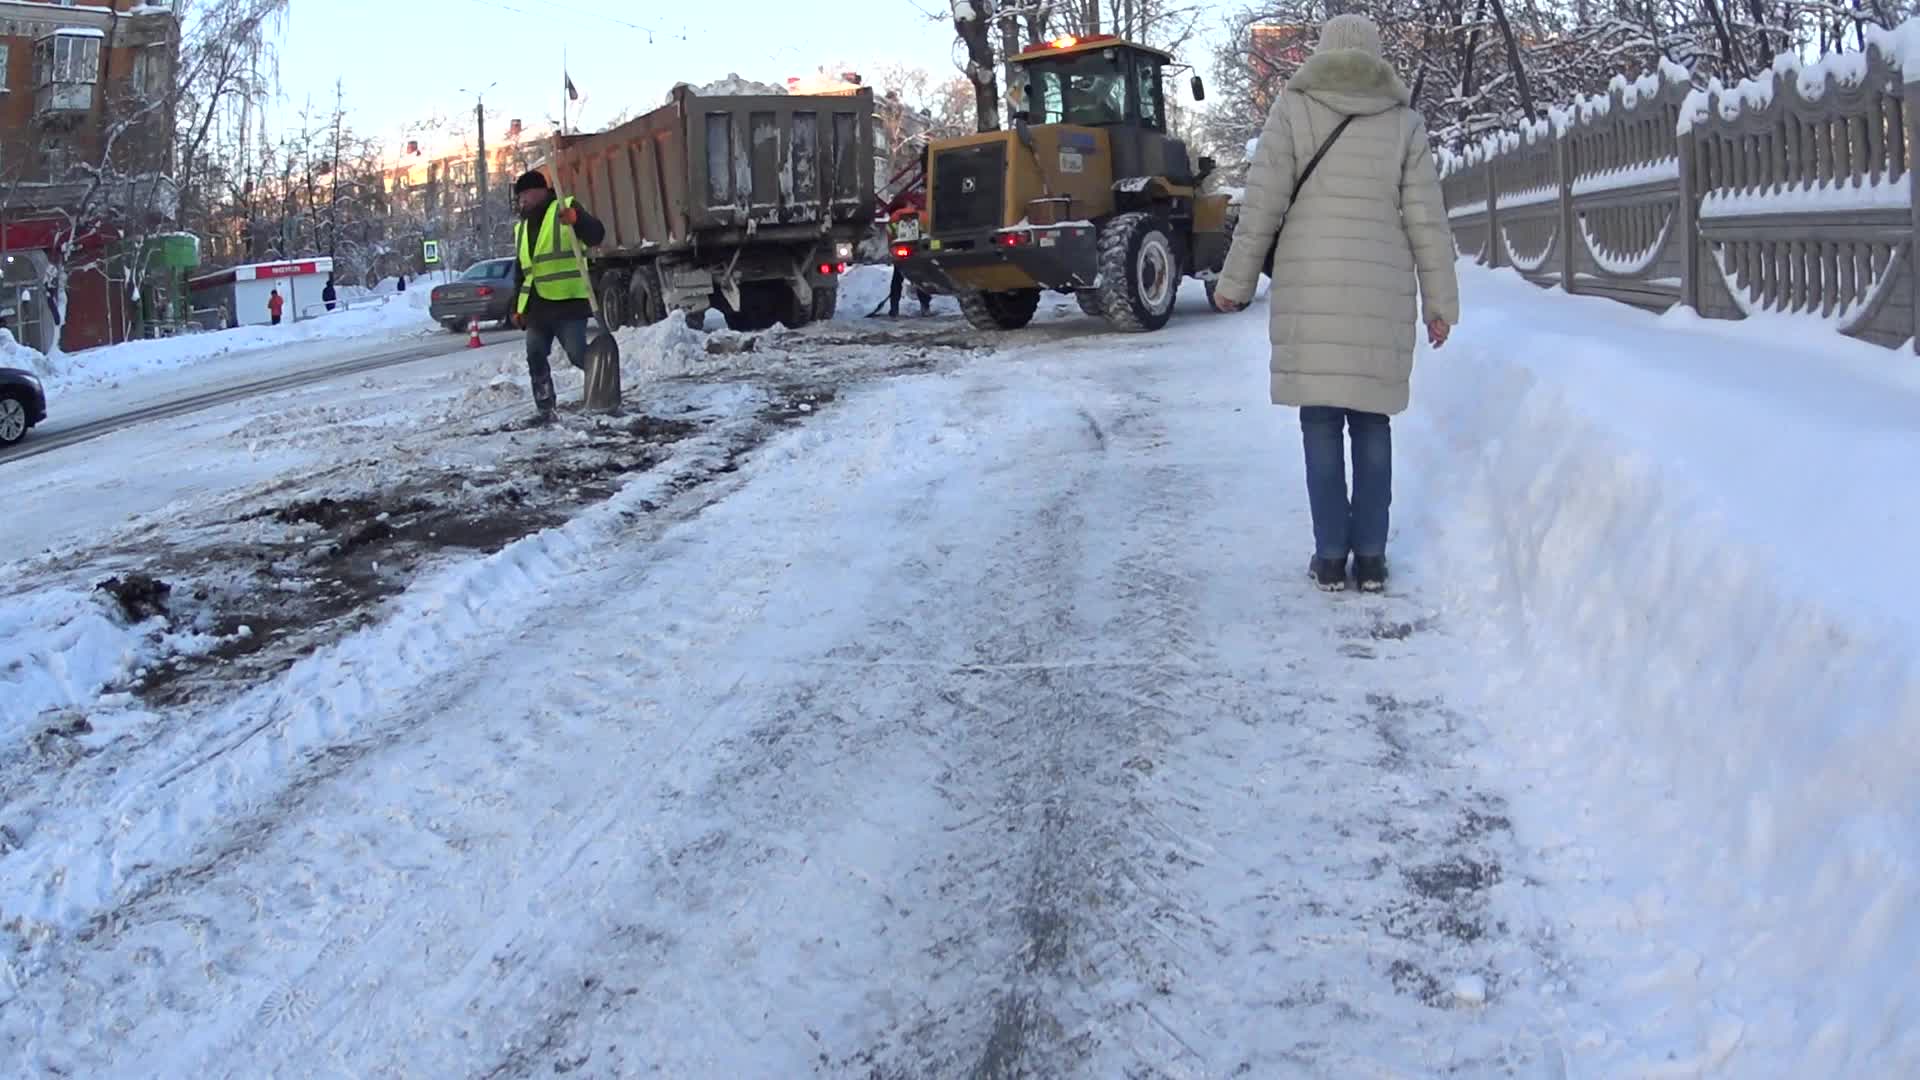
{"type": "Point", "coordinates": [86, 140]}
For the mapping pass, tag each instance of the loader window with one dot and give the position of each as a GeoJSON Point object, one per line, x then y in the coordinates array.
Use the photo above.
{"type": "Point", "coordinates": [1088, 88]}
{"type": "Point", "coordinates": [1146, 71]}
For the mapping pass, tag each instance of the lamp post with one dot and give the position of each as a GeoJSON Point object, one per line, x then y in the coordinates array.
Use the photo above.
{"type": "Point", "coordinates": [480, 169]}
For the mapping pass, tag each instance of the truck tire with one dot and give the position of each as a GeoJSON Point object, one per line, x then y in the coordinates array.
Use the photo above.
{"type": "Point", "coordinates": [1139, 273]}
{"type": "Point", "coordinates": [645, 299]}
{"type": "Point", "coordinates": [999, 310]}
{"type": "Point", "coordinates": [614, 312]}
{"type": "Point", "coordinates": [793, 314]}
{"type": "Point", "coordinates": [1090, 302]}
{"type": "Point", "coordinates": [826, 301]}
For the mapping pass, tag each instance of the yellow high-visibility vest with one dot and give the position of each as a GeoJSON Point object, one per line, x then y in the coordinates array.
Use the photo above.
{"type": "Point", "coordinates": [548, 265]}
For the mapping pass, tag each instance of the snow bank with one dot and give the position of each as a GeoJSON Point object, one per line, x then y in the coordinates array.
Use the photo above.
{"type": "Point", "coordinates": [113, 364]}
{"type": "Point", "coordinates": [59, 648]}
{"type": "Point", "coordinates": [1721, 659]}
{"type": "Point", "coordinates": [24, 357]}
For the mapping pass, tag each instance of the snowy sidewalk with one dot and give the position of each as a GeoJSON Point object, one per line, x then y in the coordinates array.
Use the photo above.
{"type": "Point", "coordinates": [986, 722]}
{"type": "Point", "coordinates": [1682, 542]}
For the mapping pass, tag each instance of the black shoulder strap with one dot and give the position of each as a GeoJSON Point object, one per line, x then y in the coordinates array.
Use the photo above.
{"type": "Point", "coordinates": [1314, 162]}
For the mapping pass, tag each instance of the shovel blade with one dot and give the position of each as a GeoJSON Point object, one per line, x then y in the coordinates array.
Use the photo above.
{"type": "Point", "coordinates": [603, 373]}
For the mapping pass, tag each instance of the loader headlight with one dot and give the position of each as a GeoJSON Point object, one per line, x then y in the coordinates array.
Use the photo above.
{"type": "Point", "coordinates": [843, 252]}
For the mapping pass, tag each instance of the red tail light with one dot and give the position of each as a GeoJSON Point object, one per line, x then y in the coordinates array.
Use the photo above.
{"type": "Point", "coordinates": [484, 290]}
{"type": "Point", "coordinates": [902, 251]}
{"type": "Point", "coordinates": [1015, 239]}
{"type": "Point", "coordinates": [825, 269]}
{"type": "Point", "coordinates": [840, 268]}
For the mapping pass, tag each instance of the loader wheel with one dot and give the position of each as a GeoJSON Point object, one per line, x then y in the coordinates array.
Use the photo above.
{"type": "Point", "coordinates": [1139, 273]}
{"type": "Point", "coordinates": [999, 310]}
{"type": "Point", "coordinates": [1090, 302]}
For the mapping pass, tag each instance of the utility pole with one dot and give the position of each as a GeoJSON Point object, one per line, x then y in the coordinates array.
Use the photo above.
{"type": "Point", "coordinates": [480, 171]}
{"type": "Point", "coordinates": [333, 210]}
{"type": "Point", "coordinates": [486, 195]}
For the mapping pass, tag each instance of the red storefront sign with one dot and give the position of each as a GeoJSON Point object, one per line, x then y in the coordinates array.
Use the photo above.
{"type": "Point", "coordinates": [293, 269]}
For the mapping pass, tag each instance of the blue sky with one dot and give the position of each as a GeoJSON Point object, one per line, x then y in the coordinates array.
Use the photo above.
{"type": "Point", "coordinates": [404, 60]}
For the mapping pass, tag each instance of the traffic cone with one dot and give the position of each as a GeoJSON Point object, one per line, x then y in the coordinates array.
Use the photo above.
{"type": "Point", "coordinates": [473, 333]}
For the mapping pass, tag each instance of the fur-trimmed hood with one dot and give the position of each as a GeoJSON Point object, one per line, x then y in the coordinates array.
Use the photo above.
{"type": "Point", "coordinates": [1350, 82]}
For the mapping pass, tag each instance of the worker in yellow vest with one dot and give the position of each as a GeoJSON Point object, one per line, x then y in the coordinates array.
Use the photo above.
{"type": "Point", "coordinates": [551, 292]}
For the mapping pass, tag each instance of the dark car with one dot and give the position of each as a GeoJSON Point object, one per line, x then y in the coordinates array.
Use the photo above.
{"type": "Point", "coordinates": [484, 292]}
{"type": "Point", "coordinates": [23, 403]}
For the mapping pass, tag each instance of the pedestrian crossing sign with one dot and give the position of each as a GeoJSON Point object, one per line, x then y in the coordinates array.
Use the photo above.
{"type": "Point", "coordinates": [431, 254]}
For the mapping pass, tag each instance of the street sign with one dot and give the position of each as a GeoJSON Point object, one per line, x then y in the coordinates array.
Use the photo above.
{"type": "Point", "coordinates": [431, 253]}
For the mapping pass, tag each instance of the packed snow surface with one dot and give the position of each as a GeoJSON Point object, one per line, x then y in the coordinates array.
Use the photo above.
{"type": "Point", "coordinates": [984, 721]}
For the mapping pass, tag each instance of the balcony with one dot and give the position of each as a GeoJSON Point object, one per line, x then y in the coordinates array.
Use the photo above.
{"type": "Point", "coordinates": [57, 101]}
{"type": "Point", "coordinates": [66, 66]}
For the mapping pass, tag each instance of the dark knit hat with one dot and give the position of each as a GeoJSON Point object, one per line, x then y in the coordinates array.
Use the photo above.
{"type": "Point", "coordinates": [530, 181]}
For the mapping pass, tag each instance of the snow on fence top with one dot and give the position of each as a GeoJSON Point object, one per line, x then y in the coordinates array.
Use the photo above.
{"type": "Point", "coordinates": [1893, 54]}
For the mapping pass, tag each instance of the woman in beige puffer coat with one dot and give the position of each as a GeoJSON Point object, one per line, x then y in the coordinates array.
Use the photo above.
{"type": "Point", "coordinates": [1369, 225]}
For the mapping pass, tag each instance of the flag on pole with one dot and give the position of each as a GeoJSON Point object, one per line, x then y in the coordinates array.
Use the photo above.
{"type": "Point", "coordinates": [572, 94]}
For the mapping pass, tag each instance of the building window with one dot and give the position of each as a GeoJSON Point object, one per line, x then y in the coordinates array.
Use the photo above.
{"type": "Point", "coordinates": [6, 52]}
{"type": "Point", "coordinates": [66, 57]}
{"type": "Point", "coordinates": [150, 71]}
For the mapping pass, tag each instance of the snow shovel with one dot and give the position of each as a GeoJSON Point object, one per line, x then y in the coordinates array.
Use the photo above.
{"type": "Point", "coordinates": [603, 352]}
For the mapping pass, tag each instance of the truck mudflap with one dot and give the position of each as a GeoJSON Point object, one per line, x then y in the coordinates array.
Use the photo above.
{"type": "Point", "coordinates": [1061, 257]}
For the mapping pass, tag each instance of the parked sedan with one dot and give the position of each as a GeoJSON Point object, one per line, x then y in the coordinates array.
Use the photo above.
{"type": "Point", "coordinates": [23, 403]}
{"type": "Point", "coordinates": [484, 292]}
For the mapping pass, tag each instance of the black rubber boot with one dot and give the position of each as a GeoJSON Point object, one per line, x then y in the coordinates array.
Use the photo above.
{"type": "Point", "coordinates": [1329, 574]}
{"type": "Point", "coordinates": [1371, 572]}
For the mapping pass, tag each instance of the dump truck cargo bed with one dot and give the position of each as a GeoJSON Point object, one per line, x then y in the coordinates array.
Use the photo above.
{"type": "Point", "coordinates": [704, 171]}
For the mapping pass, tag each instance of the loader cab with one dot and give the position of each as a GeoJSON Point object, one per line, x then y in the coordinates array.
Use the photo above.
{"type": "Point", "coordinates": [1094, 82]}
{"type": "Point", "coordinates": [1101, 81]}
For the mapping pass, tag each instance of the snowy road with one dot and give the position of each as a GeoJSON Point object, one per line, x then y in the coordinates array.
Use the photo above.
{"type": "Point", "coordinates": [59, 433]}
{"type": "Point", "coordinates": [983, 725]}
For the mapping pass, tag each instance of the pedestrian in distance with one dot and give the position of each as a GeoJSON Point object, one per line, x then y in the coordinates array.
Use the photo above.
{"type": "Point", "coordinates": [274, 305]}
{"type": "Point", "coordinates": [1361, 252]}
{"type": "Point", "coordinates": [905, 222]}
{"type": "Point", "coordinates": [551, 290]}
{"type": "Point", "coordinates": [329, 294]}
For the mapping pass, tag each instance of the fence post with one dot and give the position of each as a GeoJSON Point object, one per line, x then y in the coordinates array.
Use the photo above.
{"type": "Point", "coordinates": [1910, 116]}
{"type": "Point", "coordinates": [1563, 164]}
{"type": "Point", "coordinates": [1492, 258]}
{"type": "Point", "coordinates": [1687, 217]}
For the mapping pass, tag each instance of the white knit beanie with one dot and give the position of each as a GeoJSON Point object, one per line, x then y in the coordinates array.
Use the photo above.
{"type": "Point", "coordinates": [1356, 32]}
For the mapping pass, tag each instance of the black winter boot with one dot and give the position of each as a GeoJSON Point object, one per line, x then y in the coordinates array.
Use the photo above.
{"type": "Point", "coordinates": [1329, 574]}
{"type": "Point", "coordinates": [1371, 572]}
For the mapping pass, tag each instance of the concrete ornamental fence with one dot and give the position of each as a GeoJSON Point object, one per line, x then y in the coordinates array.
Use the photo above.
{"type": "Point", "coordinates": [1792, 192]}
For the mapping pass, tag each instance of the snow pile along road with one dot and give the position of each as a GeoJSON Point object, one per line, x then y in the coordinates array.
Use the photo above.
{"type": "Point", "coordinates": [394, 315]}
{"type": "Point", "coordinates": [23, 357]}
{"type": "Point", "coordinates": [1686, 533]}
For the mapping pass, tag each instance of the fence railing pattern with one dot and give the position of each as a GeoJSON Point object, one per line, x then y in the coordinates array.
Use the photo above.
{"type": "Point", "coordinates": [1792, 193]}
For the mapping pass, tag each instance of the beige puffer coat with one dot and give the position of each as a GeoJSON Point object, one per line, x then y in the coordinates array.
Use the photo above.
{"type": "Point", "coordinates": [1368, 224]}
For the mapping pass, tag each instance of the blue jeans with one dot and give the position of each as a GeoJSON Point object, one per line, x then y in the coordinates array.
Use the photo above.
{"type": "Point", "coordinates": [572, 335]}
{"type": "Point", "coordinates": [1342, 527]}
